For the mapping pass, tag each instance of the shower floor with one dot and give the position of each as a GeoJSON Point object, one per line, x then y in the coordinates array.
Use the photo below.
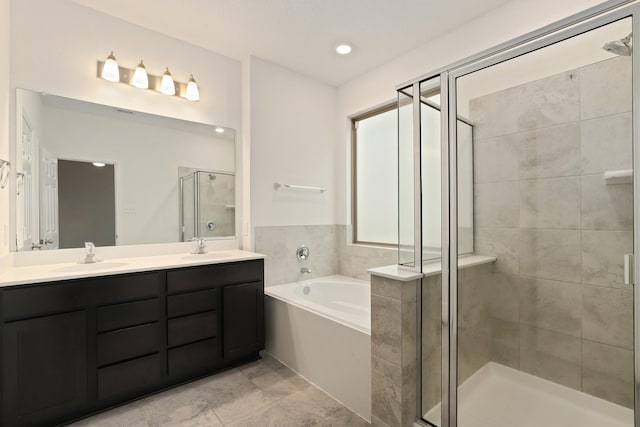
{"type": "Point", "coordinates": [499, 396]}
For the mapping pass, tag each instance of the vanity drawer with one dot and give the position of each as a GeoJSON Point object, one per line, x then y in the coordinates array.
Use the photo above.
{"type": "Point", "coordinates": [192, 328]}
{"type": "Point", "coordinates": [128, 343]}
{"type": "Point", "coordinates": [128, 314]}
{"type": "Point", "coordinates": [192, 302]}
{"type": "Point", "coordinates": [194, 358]}
{"type": "Point", "coordinates": [125, 288]}
{"type": "Point", "coordinates": [196, 278]}
{"type": "Point", "coordinates": [37, 300]}
{"type": "Point", "coordinates": [127, 378]}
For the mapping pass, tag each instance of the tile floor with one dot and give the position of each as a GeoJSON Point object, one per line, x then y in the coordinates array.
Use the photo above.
{"type": "Point", "coordinates": [261, 393]}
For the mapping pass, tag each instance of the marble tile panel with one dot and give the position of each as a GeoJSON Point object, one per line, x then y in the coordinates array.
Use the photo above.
{"type": "Point", "coordinates": [495, 114]}
{"type": "Point", "coordinates": [551, 355]}
{"type": "Point", "coordinates": [603, 257]}
{"type": "Point", "coordinates": [496, 159]}
{"type": "Point", "coordinates": [321, 241]}
{"type": "Point", "coordinates": [496, 204]}
{"type": "Point", "coordinates": [310, 402]}
{"type": "Point", "coordinates": [473, 352]}
{"type": "Point", "coordinates": [386, 287]}
{"type": "Point", "coordinates": [551, 254]}
{"type": "Point", "coordinates": [377, 422]}
{"type": "Point", "coordinates": [550, 203]}
{"type": "Point", "coordinates": [607, 372]}
{"type": "Point", "coordinates": [386, 400]}
{"type": "Point", "coordinates": [550, 152]}
{"type": "Point", "coordinates": [409, 324]}
{"type": "Point", "coordinates": [549, 101]}
{"type": "Point", "coordinates": [606, 207]}
{"type": "Point", "coordinates": [343, 417]}
{"type": "Point", "coordinates": [503, 243]}
{"type": "Point", "coordinates": [386, 329]}
{"type": "Point", "coordinates": [606, 143]}
{"type": "Point", "coordinates": [473, 303]}
{"type": "Point", "coordinates": [607, 316]}
{"type": "Point", "coordinates": [504, 296]}
{"type": "Point", "coordinates": [551, 305]}
{"type": "Point", "coordinates": [271, 241]}
{"type": "Point", "coordinates": [605, 87]}
{"type": "Point", "coordinates": [504, 342]}
{"type": "Point", "coordinates": [273, 378]}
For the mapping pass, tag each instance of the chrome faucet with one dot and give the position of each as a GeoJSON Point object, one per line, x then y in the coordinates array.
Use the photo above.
{"type": "Point", "coordinates": [304, 270]}
{"type": "Point", "coordinates": [90, 256]}
{"type": "Point", "coordinates": [200, 246]}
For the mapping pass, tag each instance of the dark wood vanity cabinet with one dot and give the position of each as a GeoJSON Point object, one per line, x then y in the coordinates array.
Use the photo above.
{"type": "Point", "coordinates": [76, 347]}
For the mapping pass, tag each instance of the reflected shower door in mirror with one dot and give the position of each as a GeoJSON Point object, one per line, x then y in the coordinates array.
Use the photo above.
{"type": "Point", "coordinates": [545, 335]}
{"type": "Point", "coordinates": [150, 154]}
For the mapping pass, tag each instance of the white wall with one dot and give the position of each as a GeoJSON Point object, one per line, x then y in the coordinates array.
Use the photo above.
{"type": "Point", "coordinates": [4, 120]}
{"type": "Point", "coordinates": [55, 45]}
{"type": "Point", "coordinates": [378, 86]}
{"type": "Point", "coordinates": [293, 141]}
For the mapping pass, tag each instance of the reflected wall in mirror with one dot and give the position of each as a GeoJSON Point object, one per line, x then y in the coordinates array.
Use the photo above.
{"type": "Point", "coordinates": [148, 156]}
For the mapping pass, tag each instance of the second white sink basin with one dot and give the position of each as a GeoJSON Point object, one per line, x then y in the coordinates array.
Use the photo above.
{"type": "Point", "coordinates": [79, 268]}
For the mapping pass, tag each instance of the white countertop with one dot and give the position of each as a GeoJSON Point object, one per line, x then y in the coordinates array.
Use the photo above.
{"type": "Point", "coordinates": [428, 269]}
{"type": "Point", "coordinates": [12, 276]}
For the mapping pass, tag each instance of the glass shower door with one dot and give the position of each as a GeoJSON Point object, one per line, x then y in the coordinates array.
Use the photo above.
{"type": "Point", "coordinates": [545, 317]}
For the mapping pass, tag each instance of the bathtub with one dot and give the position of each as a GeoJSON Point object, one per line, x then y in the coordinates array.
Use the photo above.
{"type": "Point", "coordinates": [321, 329]}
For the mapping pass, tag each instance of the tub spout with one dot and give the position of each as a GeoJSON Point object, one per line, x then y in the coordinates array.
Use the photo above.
{"type": "Point", "coordinates": [305, 270]}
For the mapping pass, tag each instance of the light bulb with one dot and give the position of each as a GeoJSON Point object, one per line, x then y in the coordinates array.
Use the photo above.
{"type": "Point", "coordinates": [167, 86]}
{"type": "Point", "coordinates": [110, 70]}
{"type": "Point", "coordinates": [343, 49]}
{"type": "Point", "coordinates": [192, 94]}
{"type": "Point", "coordinates": [99, 164]}
{"type": "Point", "coordinates": [140, 77]}
{"type": "Point", "coordinates": [219, 129]}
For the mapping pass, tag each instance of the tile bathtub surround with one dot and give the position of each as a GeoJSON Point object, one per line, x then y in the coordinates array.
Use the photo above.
{"type": "Point", "coordinates": [264, 393]}
{"type": "Point", "coordinates": [330, 253]}
{"type": "Point", "coordinates": [558, 307]}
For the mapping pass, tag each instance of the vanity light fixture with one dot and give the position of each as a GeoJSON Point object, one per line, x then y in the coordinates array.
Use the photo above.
{"type": "Point", "coordinates": [110, 70]}
{"type": "Point", "coordinates": [138, 77]}
{"type": "Point", "coordinates": [167, 86]}
{"type": "Point", "coordinates": [192, 93]}
{"type": "Point", "coordinates": [219, 129]}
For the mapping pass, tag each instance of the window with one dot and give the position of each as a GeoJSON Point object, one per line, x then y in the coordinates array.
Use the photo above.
{"type": "Point", "coordinates": [375, 177]}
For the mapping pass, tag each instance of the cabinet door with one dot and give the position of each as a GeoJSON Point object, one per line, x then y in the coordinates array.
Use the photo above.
{"type": "Point", "coordinates": [243, 316]}
{"type": "Point", "coordinates": [45, 369]}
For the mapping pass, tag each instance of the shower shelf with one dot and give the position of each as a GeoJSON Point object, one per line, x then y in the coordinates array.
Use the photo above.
{"type": "Point", "coordinates": [624, 176]}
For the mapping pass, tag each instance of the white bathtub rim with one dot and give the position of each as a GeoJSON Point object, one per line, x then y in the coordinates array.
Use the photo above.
{"type": "Point", "coordinates": [309, 308]}
{"type": "Point", "coordinates": [316, 385]}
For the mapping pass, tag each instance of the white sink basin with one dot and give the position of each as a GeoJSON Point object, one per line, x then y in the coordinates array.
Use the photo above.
{"type": "Point", "coordinates": [207, 256]}
{"type": "Point", "coordinates": [79, 268]}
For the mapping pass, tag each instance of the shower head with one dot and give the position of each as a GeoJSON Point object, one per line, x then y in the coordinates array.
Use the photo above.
{"type": "Point", "coordinates": [620, 47]}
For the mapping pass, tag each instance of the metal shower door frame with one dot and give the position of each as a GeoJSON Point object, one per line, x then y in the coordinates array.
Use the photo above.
{"type": "Point", "coordinates": [590, 19]}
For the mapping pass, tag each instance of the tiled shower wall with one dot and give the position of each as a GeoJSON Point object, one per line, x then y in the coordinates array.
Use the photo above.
{"type": "Point", "coordinates": [558, 306]}
{"type": "Point", "coordinates": [330, 253]}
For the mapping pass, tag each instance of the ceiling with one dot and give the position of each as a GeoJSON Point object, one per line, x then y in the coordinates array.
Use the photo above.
{"type": "Point", "coordinates": [302, 34]}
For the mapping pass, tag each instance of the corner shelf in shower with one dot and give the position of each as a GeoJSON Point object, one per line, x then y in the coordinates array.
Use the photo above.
{"type": "Point", "coordinates": [624, 176]}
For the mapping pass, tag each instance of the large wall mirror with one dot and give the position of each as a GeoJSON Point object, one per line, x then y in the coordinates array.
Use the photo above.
{"type": "Point", "coordinates": [89, 172]}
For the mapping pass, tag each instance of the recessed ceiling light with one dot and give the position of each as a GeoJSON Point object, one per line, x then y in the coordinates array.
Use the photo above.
{"type": "Point", "coordinates": [343, 49]}
{"type": "Point", "coordinates": [99, 164]}
{"type": "Point", "coordinates": [219, 129]}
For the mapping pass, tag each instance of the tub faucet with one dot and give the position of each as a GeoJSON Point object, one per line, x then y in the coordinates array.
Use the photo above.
{"type": "Point", "coordinates": [305, 270]}
{"type": "Point", "coordinates": [200, 246]}
{"type": "Point", "coordinates": [90, 256]}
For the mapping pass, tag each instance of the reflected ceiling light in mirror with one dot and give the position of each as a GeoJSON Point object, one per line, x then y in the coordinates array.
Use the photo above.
{"type": "Point", "coordinates": [219, 129]}
{"type": "Point", "coordinates": [110, 69]}
{"type": "Point", "coordinates": [140, 77]}
{"type": "Point", "coordinates": [99, 164]}
{"type": "Point", "coordinates": [192, 93]}
{"type": "Point", "coordinates": [343, 49]}
{"type": "Point", "coordinates": [167, 86]}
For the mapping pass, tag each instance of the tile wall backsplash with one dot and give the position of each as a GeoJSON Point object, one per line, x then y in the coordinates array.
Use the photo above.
{"type": "Point", "coordinates": [557, 305]}
{"type": "Point", "coordinates": [330, 253]}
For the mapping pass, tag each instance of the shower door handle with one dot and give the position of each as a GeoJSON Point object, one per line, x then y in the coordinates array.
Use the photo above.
{"type": "Point", "coordinates": [628, 269]}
